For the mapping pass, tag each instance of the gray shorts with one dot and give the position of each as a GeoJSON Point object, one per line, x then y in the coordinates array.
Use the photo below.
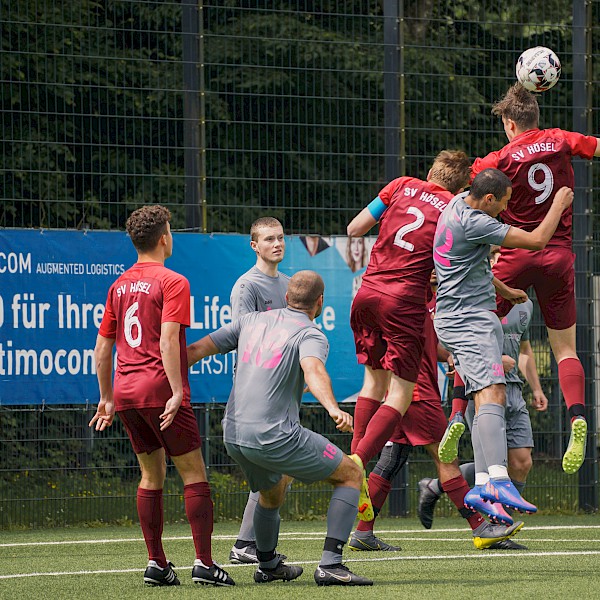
{"type": "Point", "coordinates": [305, 455]}
{"type": "Point", "coordinates": [475, 340]}
{"type": "Point", "coordinates": [518, 423]}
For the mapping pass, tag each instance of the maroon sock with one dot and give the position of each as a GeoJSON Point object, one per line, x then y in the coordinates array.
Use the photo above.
{"type": "Point", "coordinates": [199, 511]}
{"type": "Point", "coordinates": [363, 412]}
{"type": "Point", "coordinates": [150, 513]}
{"type": "Point", "coordinates": [458, 405]}
{"type": "Point", "coordinates": [380, 429]}
{"type": "Point", "coordinates": [379, 488]}
{"type": "Point", "coordinates": [457, 489]}
{"type": "Point", "coordinates": [571, 379]}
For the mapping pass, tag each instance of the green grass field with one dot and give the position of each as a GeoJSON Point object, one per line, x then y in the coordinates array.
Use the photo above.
{"type": "Point", "coordinates": [108, 562]}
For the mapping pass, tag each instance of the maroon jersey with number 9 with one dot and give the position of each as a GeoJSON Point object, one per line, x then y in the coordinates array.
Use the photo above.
{"type": "Point", "coordinates": [538, 162]}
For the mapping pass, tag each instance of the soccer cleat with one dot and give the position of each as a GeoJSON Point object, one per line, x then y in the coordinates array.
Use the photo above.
{"type": "Point", "coordinates": [338, 574]}
{"type": "Point", "coordinates": [213, 575]}
{"type": "Point", "coordinates": [504, 492]}
{"type": "Point", "coordinates": [486, 534]}
{"type": "Point", "coordinates": [427, 501]}
{"type": "Point", "coordinates": [247, 555]}
{"type": "Point", "coordinates": [370, 543]}
{"type": "Point", "coordinates": [154, 575]}
{"type": "Point", "coordinates": [575, 452]}
{"type": "Point", "coordinates": [506, 545]}
{"type": "Point", "coordinates": [448, 448]}
{"type": "Point", "coordinates": [281, 572]}
{"type": "Point", "coordinates": [494, 512]}
{"type": "Point", "coordinates": [365, 507]}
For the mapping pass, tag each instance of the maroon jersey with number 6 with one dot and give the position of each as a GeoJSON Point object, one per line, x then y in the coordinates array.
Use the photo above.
{"type": "Point", "coordinates": [138, 302]}
{"type": "Point", "coordinates": [401, 260]}
{"type": "Point", "coordinates": [538, 162]}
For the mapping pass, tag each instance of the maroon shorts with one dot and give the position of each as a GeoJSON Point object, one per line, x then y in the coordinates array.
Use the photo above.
{"type": "Point", "coordinates": [143, 428]}
{"type": "Point", "coordinates": [424, 423]}
{"type": "Point", "coordinates": [551, 272]}
{"type": "Point", "coordinates": [388, 332]}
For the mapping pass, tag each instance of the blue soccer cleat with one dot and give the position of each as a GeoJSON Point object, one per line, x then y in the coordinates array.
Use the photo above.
{"type": "Point", "coordinates": [504, 492]}
{"type": "Point", "coordinates": [494, 512]}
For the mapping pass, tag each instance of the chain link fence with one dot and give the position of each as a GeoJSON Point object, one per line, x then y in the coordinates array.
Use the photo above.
{"type": "Point", "coordinates": [226, 111]}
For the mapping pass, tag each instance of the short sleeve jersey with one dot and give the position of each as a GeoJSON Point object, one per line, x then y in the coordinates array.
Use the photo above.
{"type": "Point", "coordinates": [538, 162]}
{"type": "Point", "coordinates": [515, 326]}
{"type": "Point", "coordinates": [427, 383]}
{"type": "Point", "coordinates": [264, 404]}
{"type": "Point", "coordinates": [401, 263]}
{"type": "Point", "coordinates": [461, 255]}
{"type": "Point", "coordinates": [138, 302]}
{"type": "Point", "coordinates": [256, 291]}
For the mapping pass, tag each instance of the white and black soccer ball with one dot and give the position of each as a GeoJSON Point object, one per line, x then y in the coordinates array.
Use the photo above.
{"type": "Point", "coordinates": [538, 69]}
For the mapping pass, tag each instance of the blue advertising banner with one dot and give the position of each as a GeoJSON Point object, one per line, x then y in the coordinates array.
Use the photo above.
{"type": "Point", "coordinates": [53, 287]}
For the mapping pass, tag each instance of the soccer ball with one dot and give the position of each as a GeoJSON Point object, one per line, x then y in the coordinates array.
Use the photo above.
{"type": "Point", "coordinates": [538, 69]}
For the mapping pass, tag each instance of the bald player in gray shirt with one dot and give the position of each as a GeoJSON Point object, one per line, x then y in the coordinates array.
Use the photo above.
{"type": "Point", "coordinates": [278, 351]}
{"type": "Point", "coordinates": [463, 321]}
{"type": "Point", "coordinates": [260, 289]}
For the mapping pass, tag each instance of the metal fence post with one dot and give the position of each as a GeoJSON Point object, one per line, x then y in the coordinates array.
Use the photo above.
{"type": "Point", "coordinates": [582, 238]}
{"type": "Point", "coordinates": [393, 86]}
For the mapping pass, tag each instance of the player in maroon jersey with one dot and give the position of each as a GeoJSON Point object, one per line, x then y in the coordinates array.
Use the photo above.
{"type": "Point", "coordinates": [146, 313]}
{"type": "Point", "coordinates": [538, 163]}
{"type": "Point", "coordinates": [388, 312]}
{"type": "Point", "coordinates": [424, 424]}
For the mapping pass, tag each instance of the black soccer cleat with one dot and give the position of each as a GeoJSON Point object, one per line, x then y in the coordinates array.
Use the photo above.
{"type": "Point", "coordinates": [507, 545]}
{"type": "Point", "coordinates": [426, 504]}
{"type": "Point", "coordinates": [247, 555]}
{"type": "Point", "coordinates": [370, 543]}
{"type": "Point", "coordinates": [281, 572]}
{"type": "Point", "coordinates": [338, 574]}
{"type": "Point", "coordinates": [155, 576]}
{"type": "Point", "coordinates": [213, 575]}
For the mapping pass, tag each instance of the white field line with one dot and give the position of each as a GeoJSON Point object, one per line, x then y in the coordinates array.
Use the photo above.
{"type": "Point", "coordinates": [299, 535]}
{"type": "Point", "coordinates": [519, 554]}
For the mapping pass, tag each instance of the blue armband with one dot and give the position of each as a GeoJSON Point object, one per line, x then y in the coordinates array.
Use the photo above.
{"type": "Point", "coordinates": [377, 208]}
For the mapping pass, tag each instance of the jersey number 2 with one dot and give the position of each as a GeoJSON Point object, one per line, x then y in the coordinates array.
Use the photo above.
{"type": "Point", "coordinates": [419, 220]}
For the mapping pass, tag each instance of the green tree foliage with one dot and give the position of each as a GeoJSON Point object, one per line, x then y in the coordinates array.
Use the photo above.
{"type": "Point", "coordinates": [92, 102]}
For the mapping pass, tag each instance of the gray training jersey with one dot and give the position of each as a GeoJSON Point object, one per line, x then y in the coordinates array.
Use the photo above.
{"type": "Point", "coordinates": [461, 256]}
{"type": "Point", "coordinates": [264, 404]}
{"type": "Point", "coordinates": [255, 291]}
{"type": "Point", "coordinates": [515, 327]}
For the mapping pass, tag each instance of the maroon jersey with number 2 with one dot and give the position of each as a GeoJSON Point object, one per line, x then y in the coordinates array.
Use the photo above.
{"type": "Point", "coordinates": [402, 257]}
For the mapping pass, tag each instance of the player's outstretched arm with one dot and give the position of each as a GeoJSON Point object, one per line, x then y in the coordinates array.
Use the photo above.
{"type": "Point", "coordinates": [528, 367]}
{"type": "Point", "coordinates": [361, 223]}
{"type": "Point", "coordinates": [540, 236]}
{"type": "Point", "coordinates": [105, 412]}
{"type": "Point", "coordinates": [200, 349]}
{"type": "Point", "coordinates": [319, 382]}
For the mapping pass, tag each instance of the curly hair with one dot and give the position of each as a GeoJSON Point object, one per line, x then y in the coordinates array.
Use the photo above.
{"type": "Point", "coordinates": [519, 106]}
{"type": "Point", "coordinates": [145, 226]}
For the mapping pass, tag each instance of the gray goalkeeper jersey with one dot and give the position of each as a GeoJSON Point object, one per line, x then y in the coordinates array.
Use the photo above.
{"type": "Point", "coordinates": [255, 291]}
{"type": "Point", "coordinates": [461, 256]}
{"type": "Point", "coordinates": [264, 404]}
